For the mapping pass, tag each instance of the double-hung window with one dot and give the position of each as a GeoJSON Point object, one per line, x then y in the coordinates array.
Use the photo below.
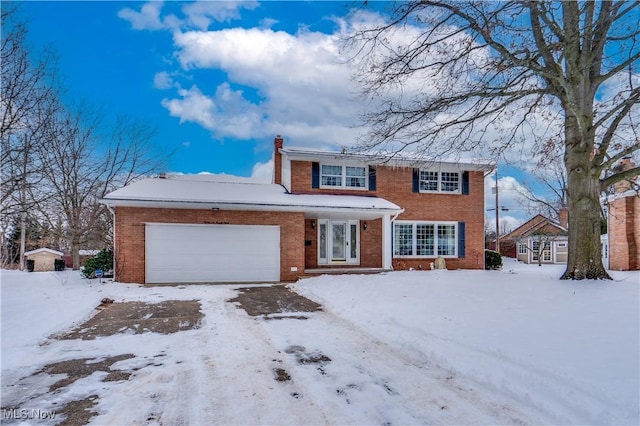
{"type": "Point", "coordinates": [425, 239]}
{"type": "Point", "coordinates": [428, 181]}
{"type": "Point", "coordinates": [355, 177]}
{"type": "Point", "coordinates": [331, 175]}
{"type": "Point", "coordinates": [449, 182]}
{"type": "Point", "coordinates": [432, 181]}
{"type": "Point", "coordinates": [350, 177]}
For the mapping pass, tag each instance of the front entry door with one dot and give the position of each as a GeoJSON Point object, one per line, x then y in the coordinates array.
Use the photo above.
{"type": "Point", "coordinates": [338, 241]}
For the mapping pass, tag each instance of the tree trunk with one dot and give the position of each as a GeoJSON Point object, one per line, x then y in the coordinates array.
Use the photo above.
{"type": "Point", "coordinates": [583, 191]}
{"type": "Point", "coordinates": [75, 254]}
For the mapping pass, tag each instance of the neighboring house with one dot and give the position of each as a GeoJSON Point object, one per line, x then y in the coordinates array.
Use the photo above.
{"type": "Point", "coordinates": [324, 212]}
{"type": "Point", "coordinates": [623, 224]}
{"type": "Point", "coordinates": [44, 259]}
{"type": "Point", "coordinates": [539, 240]}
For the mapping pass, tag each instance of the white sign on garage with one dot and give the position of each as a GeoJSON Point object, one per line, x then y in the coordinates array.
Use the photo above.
{"type": "Point", "coordinates": [190, 253]}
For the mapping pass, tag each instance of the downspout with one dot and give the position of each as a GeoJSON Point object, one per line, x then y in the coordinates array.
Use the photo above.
{"type": "Point", "coordinates": [388, 244]}
{"type": "Point", "coordinates": [113, 260]}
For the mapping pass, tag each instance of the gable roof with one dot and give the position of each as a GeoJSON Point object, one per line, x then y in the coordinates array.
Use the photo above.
{"type": "Point", "coordinates": [197, 193]}
{"type": "Point", "coordinates": [43, 250]}
{"type": "Point", "coordinates": [536, 223]}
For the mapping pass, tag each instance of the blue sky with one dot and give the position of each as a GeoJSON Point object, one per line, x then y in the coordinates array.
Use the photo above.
{"type": "Point", "coordinates": [218, 80]}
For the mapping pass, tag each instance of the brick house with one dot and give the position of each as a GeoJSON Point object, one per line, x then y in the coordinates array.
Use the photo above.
{"type": "Point", "coordinates": [323, 212]}
{"type": "Point", "coordinates": [623, 224]}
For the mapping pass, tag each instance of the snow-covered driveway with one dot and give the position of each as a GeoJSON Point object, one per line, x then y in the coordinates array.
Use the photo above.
{"type": "Point", "coordinates": [386, 350]}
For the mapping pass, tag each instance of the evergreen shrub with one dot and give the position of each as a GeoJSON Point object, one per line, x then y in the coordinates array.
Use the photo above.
{"type": "Point", "coordinates": [103, 260]}
{"type": "Point", "coordinates": [492, 260]}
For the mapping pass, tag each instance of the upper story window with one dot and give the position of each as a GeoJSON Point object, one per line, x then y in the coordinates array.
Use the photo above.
{"type": "Point", "coordinates": [431, 181]}
{"type": "Point", "coordinates": [343, 176]}
{"type": "Point", "coordinates": [331, 175]}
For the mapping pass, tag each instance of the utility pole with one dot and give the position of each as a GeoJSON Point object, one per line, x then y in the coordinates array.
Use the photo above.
{"type": "Point", "coordinates": [497, 215]}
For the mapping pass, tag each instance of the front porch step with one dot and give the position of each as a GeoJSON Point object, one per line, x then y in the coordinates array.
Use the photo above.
{"type": "Point", "coordinates": [339, 271]}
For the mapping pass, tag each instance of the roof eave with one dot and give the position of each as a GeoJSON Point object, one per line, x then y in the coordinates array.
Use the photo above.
{"type": "Point", "coordinates": [211, 205]}
{"type": "Point", "coordinates": [380, 160]}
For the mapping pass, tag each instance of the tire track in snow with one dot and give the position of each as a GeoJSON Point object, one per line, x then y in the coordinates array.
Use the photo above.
{"type": "Point", "coordinates": [370, 381]}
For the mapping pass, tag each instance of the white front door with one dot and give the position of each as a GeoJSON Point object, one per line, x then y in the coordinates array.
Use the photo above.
{"type": "Point", "coordinates": [338, 242]}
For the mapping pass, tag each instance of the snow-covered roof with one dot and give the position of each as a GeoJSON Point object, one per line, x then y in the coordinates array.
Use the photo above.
{"type": "Point", "coordinates": [43, 250]}
{"type": "Point", "coordinates": [199, 193]}
{"type": "Point", "coordinates": [391, 159]}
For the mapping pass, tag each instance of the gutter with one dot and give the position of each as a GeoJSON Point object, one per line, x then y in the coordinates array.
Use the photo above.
{"type": "Point", "coordinates": [245, 206]}
{"type": "Point", "coordinates": [113, 260]}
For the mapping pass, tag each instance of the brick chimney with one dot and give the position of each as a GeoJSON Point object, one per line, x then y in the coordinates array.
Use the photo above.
{"type": "Point", "coordinates": [625, 164]}
{"type": "Point", "coordinates": [278, 143]}
{"type": "Point", "coordinates": [563, 217]}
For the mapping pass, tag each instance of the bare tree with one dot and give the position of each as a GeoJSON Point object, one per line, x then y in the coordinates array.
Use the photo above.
{"type": "Point", "coordinates": [84, 160]}
{"type": "Point", "coordinates": [478, 76]}
{"type": "Point", "coordinates": [551, 172]}
{"type": "Point", "coordinates": [540, 244]}
{"type": "Point", "coordinates": [27, 102]}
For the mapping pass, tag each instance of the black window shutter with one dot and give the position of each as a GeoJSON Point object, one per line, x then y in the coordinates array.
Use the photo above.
{"type": "Point", "coordinates": [416, 180]}
{"type": "Point", "coordinates": [315, 175]}
{"type": "Point", "coordinates": [465, 183]}
{"type": "Point", "coordinates": [461, 239]}
{"type": "Point", "coordinates": [372, 178]}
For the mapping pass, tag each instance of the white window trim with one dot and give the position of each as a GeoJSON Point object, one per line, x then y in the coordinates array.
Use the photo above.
{"type": "Point", "coordinates": [439, 190]}
{"type": "Point", "coordinates": [534, 250]}
{"type": "Point", "coordinates": [522, 248]}
{"type": "Point", "coordinates": [344, 177]}
{"type": "Point", "coordinates": [435, 241]}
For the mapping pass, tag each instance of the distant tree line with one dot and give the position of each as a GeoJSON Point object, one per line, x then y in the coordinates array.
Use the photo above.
{"type": "Point", "coordinates": [59, 157]}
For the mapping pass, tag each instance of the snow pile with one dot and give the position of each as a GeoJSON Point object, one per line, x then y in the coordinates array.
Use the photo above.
{"type": "Point", "coordinates": [571, 349]}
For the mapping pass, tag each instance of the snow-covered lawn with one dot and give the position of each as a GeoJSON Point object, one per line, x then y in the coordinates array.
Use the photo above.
{"type": "Point", "coordinates": [434, 347]}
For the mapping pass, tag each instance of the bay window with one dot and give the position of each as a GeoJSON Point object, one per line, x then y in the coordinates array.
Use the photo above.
{"type": "Point", "coordinates": [425, 239]}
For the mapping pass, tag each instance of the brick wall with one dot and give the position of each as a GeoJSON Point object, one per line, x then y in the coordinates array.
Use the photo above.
{"type": "Point", "coordinates": [396, 185]}
{"type": "Point", "coordinates": [130, 235]}
{"type": "Point", "coordinates": [624, 233]}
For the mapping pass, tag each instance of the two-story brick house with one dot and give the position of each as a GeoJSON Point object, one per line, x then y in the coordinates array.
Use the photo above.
{"type": "Point", "coordinates": [324, 211]}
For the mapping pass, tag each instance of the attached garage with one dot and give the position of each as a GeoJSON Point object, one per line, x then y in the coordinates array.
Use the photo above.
{"type": "Point", "coordinates": [200, 253]}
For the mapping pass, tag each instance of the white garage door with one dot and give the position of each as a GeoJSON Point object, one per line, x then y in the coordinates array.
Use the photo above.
{"type": "Point", "coordinates": [180, 253]}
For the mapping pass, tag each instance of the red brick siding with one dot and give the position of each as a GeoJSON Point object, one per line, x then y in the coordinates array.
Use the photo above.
{"type": "Point", "coordinates": [396, 185]}
{"type": "Point", "coordinates": [624, 234]}
{"type": "Point", "coordinates": [130, 235]}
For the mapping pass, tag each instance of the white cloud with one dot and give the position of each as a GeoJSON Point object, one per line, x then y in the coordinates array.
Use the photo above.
{"type": "Point", "coordinates": [303, 91]}
{"type": "Point", "coordinates": [193, 106]}
{"type": "Point", "coordinates": [147, 19]}
{"type": "Point", "coordinates": [226, 113]}
{"type": "Point", "coordinates": [162, 80]}
{"type": "Point", "coordinates": [263, 172]}
{"type": "Point", "coordinates": [201, 14]}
